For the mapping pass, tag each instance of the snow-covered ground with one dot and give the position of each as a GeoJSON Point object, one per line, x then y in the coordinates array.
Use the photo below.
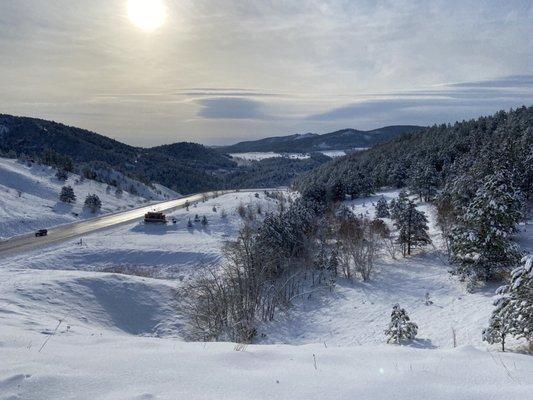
{"type": "Point", "coordinates": [29, 198]}
{"type": "Point", "coordinates": [69, 330]}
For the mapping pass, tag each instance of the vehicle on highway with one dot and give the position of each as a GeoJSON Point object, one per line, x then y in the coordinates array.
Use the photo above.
{"type": "Point", "coordinates": [155, 217]}
{"type": "Point", "coordinates": [41, 232]}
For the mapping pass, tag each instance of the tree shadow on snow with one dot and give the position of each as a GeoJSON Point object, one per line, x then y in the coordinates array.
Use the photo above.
{"type": "Point", "coordinates": [422, 344]}
{"type": "Point", "coordinates": [154, 229]}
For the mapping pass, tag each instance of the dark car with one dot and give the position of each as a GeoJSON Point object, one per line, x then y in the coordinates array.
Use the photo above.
{"type": "Point", "coordinates": [41, 232]}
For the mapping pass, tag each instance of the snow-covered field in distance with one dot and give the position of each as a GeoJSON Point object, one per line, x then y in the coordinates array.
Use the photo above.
{"type": "Point", "coordinates": [257, 156]}
{"type": "Point", "coordinates": [69, 330]}
{"type": "Point", "coordinates": [29, 198]}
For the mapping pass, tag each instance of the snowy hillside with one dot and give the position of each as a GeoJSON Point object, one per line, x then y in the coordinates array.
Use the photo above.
{"type": "Point", "coordinates": [29, 197]}
{"type": "Point", "coordinates": [70, 330]}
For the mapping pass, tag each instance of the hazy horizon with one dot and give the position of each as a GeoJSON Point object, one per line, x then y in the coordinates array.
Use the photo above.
{"type": "Point", "coordinates": [223, 72]}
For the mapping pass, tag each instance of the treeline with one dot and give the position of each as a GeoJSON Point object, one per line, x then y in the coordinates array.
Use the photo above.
{"type": "Point", "coordinates": [272, 172]}
{"type": "Point", "coordinates": [479, 173]}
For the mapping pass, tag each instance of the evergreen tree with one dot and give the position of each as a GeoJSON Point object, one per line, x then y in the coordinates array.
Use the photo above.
{"type": "Point", "coordinates": [513, 314]}
{"type": "Point", "coordinates": [413, 227]}
{"type": "Point", "coordinates": [400, 327]}
{"type": "Point", "coordinates": [482, 243]}
{"type": "Point", "coordinates": [382, 208]}
{"type": "Point", "coordinates": [423, 181]}
{"type": "Point", "coordinates": [398, 205]}
{"type": "Point", "coordinates": [67, 195]}
{"type": "Point", "coordinates": [93, 203]}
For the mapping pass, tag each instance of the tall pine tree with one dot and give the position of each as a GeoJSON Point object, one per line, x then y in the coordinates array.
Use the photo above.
{"type": "Point", "coordinates": [513, 314]}
{"type": "Point", "coordinates": [482, 244]}
{"type": "Point", "coordinates": [413, 227]}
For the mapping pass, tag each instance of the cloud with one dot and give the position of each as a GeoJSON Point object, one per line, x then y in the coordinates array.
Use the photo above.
{"type": "Point", "coordinates": [505, 82]}
{"type": "Point", "coordinates": [454, 101]}
{"type": "Point", "coordinates": [230, 108]}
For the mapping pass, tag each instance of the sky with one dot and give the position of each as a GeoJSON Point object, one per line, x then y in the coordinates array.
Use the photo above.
{"type": "Point", "coordinates": [221, 71]}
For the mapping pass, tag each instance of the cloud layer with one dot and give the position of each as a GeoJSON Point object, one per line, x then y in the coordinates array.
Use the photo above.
{"type": "Point", "coordinates": [227, 70]}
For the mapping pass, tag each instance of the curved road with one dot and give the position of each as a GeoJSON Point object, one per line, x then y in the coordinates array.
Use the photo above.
{"type": "Point", "coordinates": [63, 232]}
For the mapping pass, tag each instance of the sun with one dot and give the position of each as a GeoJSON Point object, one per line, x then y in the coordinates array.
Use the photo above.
{"type": "Point", "coordinates": [147, 14]}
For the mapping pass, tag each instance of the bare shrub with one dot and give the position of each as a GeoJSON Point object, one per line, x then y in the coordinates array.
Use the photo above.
{"type": "Point", "coordinates": [241, 210]}
{"type": "Point", "coordinates": [359, 242]}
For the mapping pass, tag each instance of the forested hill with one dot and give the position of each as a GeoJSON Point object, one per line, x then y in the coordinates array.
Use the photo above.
{"type": "Point", "coordinates": [184, 167]}
{"type": "Point", "coordinates": [478, 174]}
{"type": "Point", "coordinates": [309, 142]}
{"type": "Point", "coordinates": [428, 159]}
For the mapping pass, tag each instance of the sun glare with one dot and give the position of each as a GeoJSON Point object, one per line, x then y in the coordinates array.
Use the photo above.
{"type": "Point", "coordinates": [147, 14]}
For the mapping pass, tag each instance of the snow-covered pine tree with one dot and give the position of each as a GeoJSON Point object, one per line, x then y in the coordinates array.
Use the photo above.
{"type": "Point", "coordinates": [398, 205]}
{"type": "Point", "coordinates": [413, 228]}
{"type": "Point", "coordinates": [513, 314]}
{"type": "Point", "coordinates": [93, 203]}
{"type": "Point", "coordinates": [482, 244]}
{"type": "Point", "coordinates": [400, 327]}
{"type": "Point", "coordinates": [423, 180]}
{"type": "Point", "coordinates": [67, 195]}
{"type": "Point", "coordinates": [382, 208]}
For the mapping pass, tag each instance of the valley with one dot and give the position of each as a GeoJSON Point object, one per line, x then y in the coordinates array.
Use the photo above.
{"type": "Point", "coordinates": [69, 306]}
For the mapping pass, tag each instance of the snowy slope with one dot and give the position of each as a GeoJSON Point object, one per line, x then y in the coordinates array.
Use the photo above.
{"type": "Point", "coordinates": [109, 366]}
{"type": "Point", "coordinates": [29, 198]}
{"type": "Point", "coordinates": [68, 330]}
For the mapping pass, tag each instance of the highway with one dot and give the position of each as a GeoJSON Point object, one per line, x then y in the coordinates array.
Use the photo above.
{"type": "Point", "coordinates": [19, 244]}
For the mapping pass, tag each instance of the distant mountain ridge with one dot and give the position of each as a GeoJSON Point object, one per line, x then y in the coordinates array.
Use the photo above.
{"type": "Point", "coordinates": [309, 142]}
{"type": "Point", "coordinates": [183, 167]}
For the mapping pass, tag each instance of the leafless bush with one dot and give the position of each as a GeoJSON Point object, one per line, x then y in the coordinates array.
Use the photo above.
{"type": "Point", "coordinates": [241, 210]}
{"type": "Point", "coordinates": [359, 242]}
{"type": "Point", "coordinates": [446, 220]}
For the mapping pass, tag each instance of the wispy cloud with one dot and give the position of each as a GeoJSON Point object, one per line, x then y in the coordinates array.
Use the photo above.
{"type": "Point", "coordinates": [458, 99]}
